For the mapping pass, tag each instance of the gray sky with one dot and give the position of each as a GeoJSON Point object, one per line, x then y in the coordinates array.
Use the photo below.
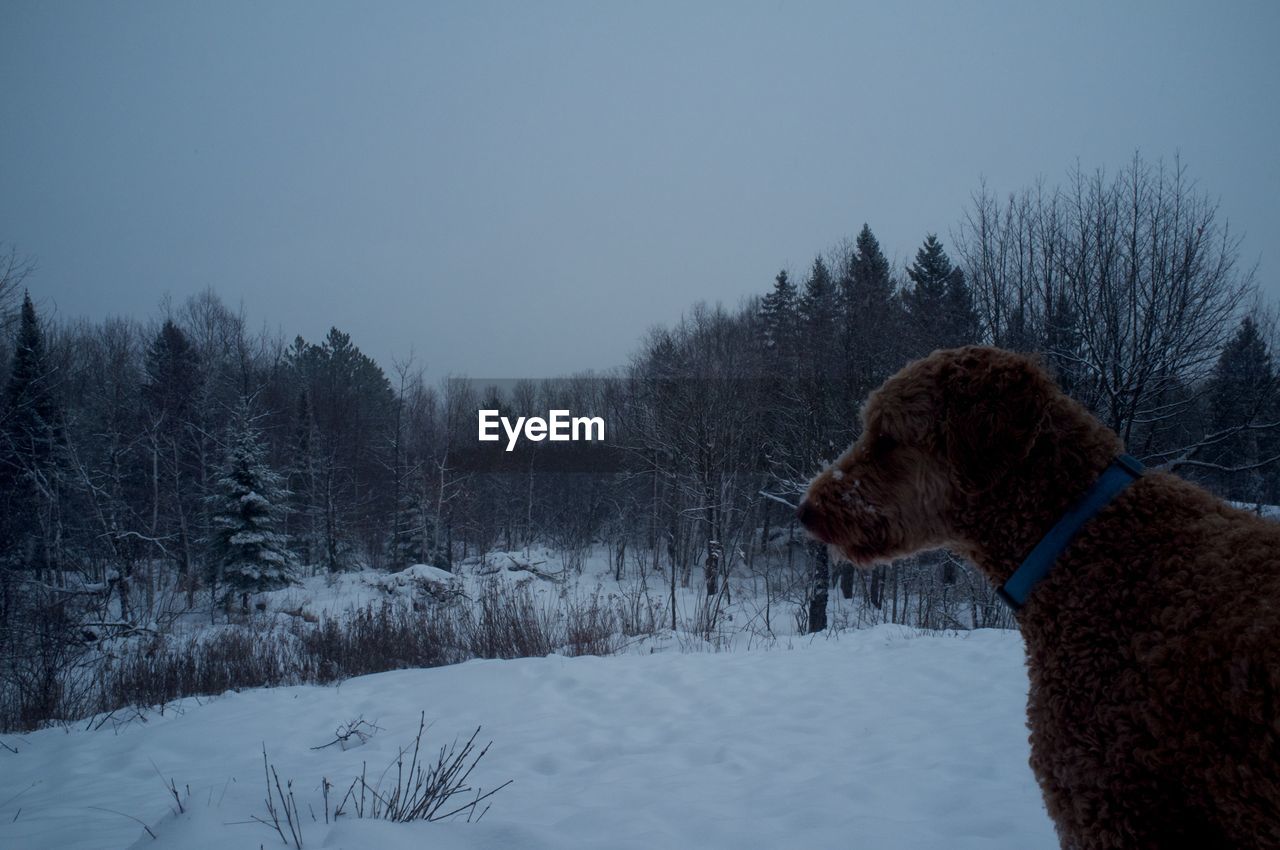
{"type": "Point", "coordinates": [523, 188]}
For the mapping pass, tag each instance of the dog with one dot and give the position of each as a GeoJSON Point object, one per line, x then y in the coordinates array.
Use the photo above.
{"type": "Point", "coordinates": [1152, 643]}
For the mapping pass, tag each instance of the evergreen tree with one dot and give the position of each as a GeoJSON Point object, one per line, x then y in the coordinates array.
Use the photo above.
{"type": "Point", "coordinates": [302, 522]}
{"type": "Point", "coordinates": [873, 320]}
{"type": "Point", "coordinates": [820, 317]}
{"type": "Point", "coordinates": [819, 310]}
{"type": "Point", "coordinates": [170, 391]}
{"type": "Point", "coordinates": [939, 305]}
{"type": "Point", "coordinates": [30, 452]}
{"type": "Point", "coordinates": [869, 282]}
{"type": "Point", "coordinates": [1243, 393]}
{"type": "Point", "coordinates": [779, 312]}
{"type": "Point", "coordinates": [173, 374]}
{"type": "Point", "coordinates": [247, 551]}
{"type": "Point", "coordinates": [31, 416]}
{"type": "Point", "coordinates": [962, 317]}
{"type": "Point", "coordinates": [353, 406]}
{"type": "Point", "coordinates": [415, 542]}
{"type": "Point", "coordinates": [925, 300]}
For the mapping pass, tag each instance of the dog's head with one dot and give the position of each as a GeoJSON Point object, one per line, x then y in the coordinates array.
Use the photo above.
{"type": "Point", "coordinates": [935, 436]}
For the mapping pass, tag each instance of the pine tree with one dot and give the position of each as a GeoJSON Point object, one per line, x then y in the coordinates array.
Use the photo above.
{"type": "Point", "coordinates": [250, 555]}
{"type": "Point", "coordinates": [779, 312]}
{"type": "Point", "coordinates": [170, 390]}
{"type": "Point", "coordinates": [302, 524]}
{"type": "Point", "coordinates": [32, 420]}
{"type": "Point", "coordinates": [939, 304]}
{"type": "Point", "coordinates": [173, 374]}
{"type": "Point", "coordinates": [30, 453]}
{"type": "Point", "coordinates": [409, 541]}
{"type": "Point", "coordinates": [1243, 393]}
{"type": "Point", "coordinates": [820, 318]}
{"type": "Point", "coordinates": [869, 281]}
{"type": "Point", "coordinates": [350, 399]}
{"type": "Point", "coordinates": [819, 309]}
{"type": "Point", "coordinates": [415, 542]}
{"type": "Point", "coordinates": [873, 320]}
{"type": "Point", "coordinates": [962, 317]}
{"type": "Point", "coordinates": [925, 300]}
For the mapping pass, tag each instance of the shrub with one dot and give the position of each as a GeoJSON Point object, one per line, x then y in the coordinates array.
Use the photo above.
{"type": "Point", "coordinates": [507, 622]}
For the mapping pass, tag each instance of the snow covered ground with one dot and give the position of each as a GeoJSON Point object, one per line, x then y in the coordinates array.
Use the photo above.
{"type": "Point", "coordinates": [881, 738]}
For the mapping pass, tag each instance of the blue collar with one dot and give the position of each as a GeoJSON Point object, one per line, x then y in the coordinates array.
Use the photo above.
{"type": "Point", "coordinates": [1122, 472]}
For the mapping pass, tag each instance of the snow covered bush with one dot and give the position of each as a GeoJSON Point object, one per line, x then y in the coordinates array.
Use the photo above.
{"type": "Point", "coordinates": [420, 583]}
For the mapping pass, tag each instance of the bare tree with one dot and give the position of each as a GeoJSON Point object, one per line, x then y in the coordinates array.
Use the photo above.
{"type": "Point", "coordinates": [1129, 285]}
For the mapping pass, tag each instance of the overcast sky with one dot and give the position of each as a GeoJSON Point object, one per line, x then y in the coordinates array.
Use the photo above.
{"type": "Point", "coordinates": [521, 189]}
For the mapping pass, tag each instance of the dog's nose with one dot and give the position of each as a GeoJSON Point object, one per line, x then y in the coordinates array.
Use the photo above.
{"type": "Point", "coordinates": [811, 518]}
{"type": "Point", "coordinates": [807, 515]}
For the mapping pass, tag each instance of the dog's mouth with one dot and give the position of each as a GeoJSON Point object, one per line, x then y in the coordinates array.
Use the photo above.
{"type": "Point", "coordinates": [861, 557]}
{"type": "Point", "coordinates": [864, 553]}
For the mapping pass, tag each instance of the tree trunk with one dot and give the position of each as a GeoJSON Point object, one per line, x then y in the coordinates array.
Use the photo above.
{"type": "Point", "coordinates": [818, 592]}
{"type": "Point", "coordinates": [764, 526]}
{"type": "Point", "coordinates": [673, 589]}
{"type": "Point", "coordinates": [876, 593]}
{"type": "Point", "coordinates": [846, 581]}
{"type": "Point", "coordinates": [711, 567]}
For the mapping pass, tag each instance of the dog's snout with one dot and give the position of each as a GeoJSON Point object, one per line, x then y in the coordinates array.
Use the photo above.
{"type": "Point", "coordinates": [808, 516]}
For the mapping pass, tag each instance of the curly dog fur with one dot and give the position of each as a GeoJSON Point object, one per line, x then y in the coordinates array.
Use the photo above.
{"type": "Point", "coordinates": [1153, 645]}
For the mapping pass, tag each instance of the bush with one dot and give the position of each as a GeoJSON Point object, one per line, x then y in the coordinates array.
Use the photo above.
{"type": "Point", "coordinates": [505, 623]}
{"type": "Point", "coordinates": [425, 789]}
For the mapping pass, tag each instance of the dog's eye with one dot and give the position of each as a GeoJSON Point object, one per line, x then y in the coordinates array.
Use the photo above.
{"type": "Point", "coordinates": [884, 443]}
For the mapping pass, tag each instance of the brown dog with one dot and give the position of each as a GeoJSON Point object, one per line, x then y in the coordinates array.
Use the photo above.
{"type": "Point", "coordinates": [1153, 644]}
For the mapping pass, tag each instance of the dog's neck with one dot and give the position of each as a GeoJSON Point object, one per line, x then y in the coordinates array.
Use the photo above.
{"type": "Point", "coordinates": [997, 527]}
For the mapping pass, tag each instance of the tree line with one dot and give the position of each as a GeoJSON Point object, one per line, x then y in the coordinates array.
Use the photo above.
{"type": "Point", "coordinates": [187, 461]}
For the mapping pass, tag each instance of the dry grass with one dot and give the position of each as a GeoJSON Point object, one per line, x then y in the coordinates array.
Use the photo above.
{"type": "Point", "coordinates": [504, 623]}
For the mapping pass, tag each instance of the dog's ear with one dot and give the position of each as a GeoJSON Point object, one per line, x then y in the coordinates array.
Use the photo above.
{"type": "Point", "coordinates": [994, 406]}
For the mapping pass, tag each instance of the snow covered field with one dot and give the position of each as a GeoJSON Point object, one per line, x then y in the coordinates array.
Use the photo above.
{"type": "Point", "coordinates": [883, 737]}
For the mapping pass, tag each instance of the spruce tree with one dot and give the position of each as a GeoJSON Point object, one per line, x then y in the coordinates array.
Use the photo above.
{"type": "Point", "coordinates": [415, 542]}
{"type": "Point", "coordinates": [170, 390]}
{"type": "Point", "coordinates": [1243, 378]}
{"type": "Point", "coordinates": [819, 308]}
{"type": "Point", "coordinates": [962, 317]}
{"type": "Point", "coordinates": [779, 312]}
{"type": "Point", "coordinates": [873, 320]}
{"type": "Point", "coordinates": [248, 552]}
{"type": "Point", "coordinates": [819, 318]}
{"type": "Point", "coordinates": [939, 304]}
{"type": "Point", "coordinates": [302, 521]}
{"type": "Point", "coordinates": [1243, 393]}
{"type": "Point", "coordinates": [31, 411]}
{"type": "Point", "coordinates": [869, 281]}
{"type": "Point", "coordinates": [30, 451]}
{"type": "Point", "coordinates": [926, 299]}
{"type": "Point", "coordinates": [173, 374]}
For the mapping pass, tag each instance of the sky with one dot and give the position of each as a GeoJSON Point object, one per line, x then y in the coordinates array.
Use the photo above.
{"type": "Point", "coordinates": [523, 189]}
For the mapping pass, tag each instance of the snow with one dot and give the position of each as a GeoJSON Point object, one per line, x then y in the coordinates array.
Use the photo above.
{"type": "Point", "coordinates": [340, 592]}
{"type": "Point", "coordinates": [417, 581]}
{"type": "Point", "coordinates": [429, 573]}
{"type": "Point", "coordinates": [880, 738]}
{"type": "Point", "coordinates": [1259, 508]}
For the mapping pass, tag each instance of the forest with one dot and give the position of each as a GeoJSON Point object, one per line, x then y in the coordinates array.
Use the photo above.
{"type": "Point", "coordinates": [158, 467]}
